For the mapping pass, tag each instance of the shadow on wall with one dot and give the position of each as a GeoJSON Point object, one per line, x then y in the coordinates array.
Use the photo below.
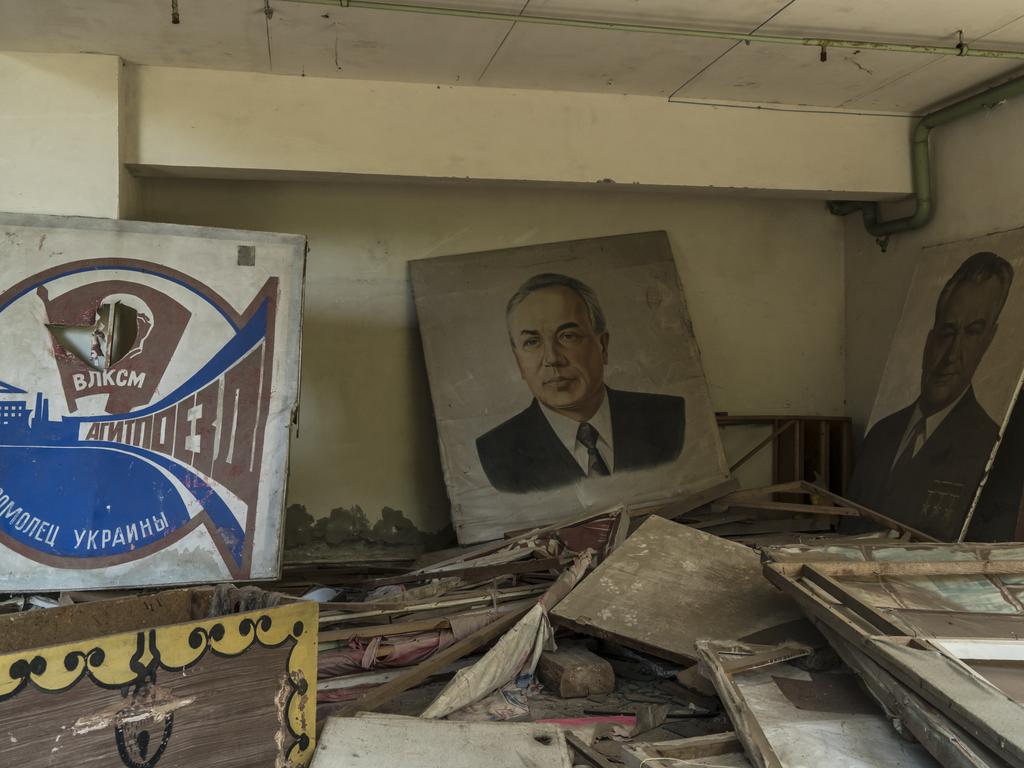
{"type": "Point", "coordinates": [367, 427]}
{"type": "Point", "coordinates": [305, 535]}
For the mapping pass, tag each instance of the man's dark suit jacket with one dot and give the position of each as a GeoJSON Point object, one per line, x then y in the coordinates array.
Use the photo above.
{"type": "Point", "coordinates": [524, 454]}
{"type": "Point", "coordinates": [935, 490]}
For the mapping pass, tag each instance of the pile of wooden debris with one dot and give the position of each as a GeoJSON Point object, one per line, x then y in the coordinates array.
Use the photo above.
{"type": "Point", "coordinates": [622, 638]}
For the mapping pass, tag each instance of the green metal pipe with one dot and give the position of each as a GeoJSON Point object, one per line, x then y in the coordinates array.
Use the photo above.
{"type": "Point", "coordinates": [920, 160]}
{"type": "Point", "coordinates": [962, 49]}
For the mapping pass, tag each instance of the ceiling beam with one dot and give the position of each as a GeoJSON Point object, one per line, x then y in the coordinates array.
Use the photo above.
{"type": "Point", "coordinates": [960, 49]}
{"type": "Point", "coordinates": [255, 123]}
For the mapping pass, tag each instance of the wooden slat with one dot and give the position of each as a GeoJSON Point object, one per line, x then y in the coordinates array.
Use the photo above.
{"type": "Point", "coordinates": [783, 506]}
{"type": "Point", "coordinates": [757, 448]}
{"type": "Point", "coordinates": [952, 746]}
{"type": "Point", "coordinates": [384, 630]}
{"type": "Point", "coordinates": [862, 609]}
{"type": "Point", "coordinates": [591, 755]}
{"type": "Point", "coordinates": [673, 508]}
{"type": "Point", "coordinates": [748, 729]}
{"type": "Point", "coordinates": [384, 693]}
{"type": "Point", "coordinates": [765, 658]}
{"type": "Point", "coordinates": [469, 573]}
{"type": "Point", "coordinates": [785, 525]}
{"type": "Point", "coordinates": [497, 596]}
{"type": "Point", "coordinates": [649, 754]}
{"type": "Point", "coordinates": [841, 569]}
{"type": "Point", "coordinates": [885, 522]}
{"type": "Point", "coordinates": [756, 494]}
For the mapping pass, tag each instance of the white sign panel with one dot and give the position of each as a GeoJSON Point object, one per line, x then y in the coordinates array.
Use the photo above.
{"type": "Point", "coordinates": [148, 376]}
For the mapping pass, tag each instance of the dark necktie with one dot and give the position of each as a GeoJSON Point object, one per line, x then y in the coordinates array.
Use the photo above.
{"type": "Point", "coordinates": [908, 453]}
{"type": "Point", "coordinates": [587, 436]}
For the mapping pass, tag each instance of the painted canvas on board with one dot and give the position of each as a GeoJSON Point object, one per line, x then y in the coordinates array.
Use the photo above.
{"type": "Point", "coordinates": [564, 377]}
{"type": "Point", "coordinates": [953, 372]}
{"type": "Point", "coordinates": [147, 382]}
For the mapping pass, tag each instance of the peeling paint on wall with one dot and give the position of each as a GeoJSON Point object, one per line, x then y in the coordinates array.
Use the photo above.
{"type": "Point", "coordinates": [306, 536]}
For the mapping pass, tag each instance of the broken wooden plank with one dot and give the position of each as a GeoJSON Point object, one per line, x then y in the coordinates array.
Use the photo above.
{"type": "Point", "coordinates": [950, 744]}
{"type": "Point", "coordinates": [472, 573]}
{"type": "Point", "coordinates": [795, 487]}
{"type": "Point", "coordinates": [669, 585]}
{"type": "Point", "coordinates": [492, 597]}
{"type": "Point", "coordinates": [382, 741]}
{"type": "Point", "coordinates": [587, 753]}
{"type": "Point", "coordinates": [384, 630]}
{"type": "Point", "coordinates": [765, 658]}
{"type": "Point", "coordinates": [838, 569]}
{"type": "Point", "coordinates": [673, 508]}
{"type": "Point", "coordinates": [946, 683]}
{"type": "Point", "coordinates": [641, 754]}
{"type": "Point", "coordinates": [416, 675]}
{"type": "Point", "coordinates": [877, 517]}
{"type": "Point", "coordinates": [514, 654]}
{"type": "Point", "coordinates": [484, 550]}
{"type": "Point", "coordinates": [692, 678]}
{"type": "Point", "coordinates": [105, 617]}
{"type": "Point", "coordinates": [380, 676]}
{"type": "Point", "coordinates": [575, 672]}
{"type": "Point", "coordinates": [789, 718]}
{"type": "Point", "coordinates": [755, 507]}
{"type": "Point", "coordinates": [747, 526]}
{"type": "Point", "coordinates": [757, 448]}
{"type": "Point", "coordinates": [974, 703]}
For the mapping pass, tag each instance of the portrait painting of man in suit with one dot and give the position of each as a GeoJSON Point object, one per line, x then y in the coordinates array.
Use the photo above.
{"type": "Point", "coordinates": [923, 464]}
{"type": "Point", "coordinates": [565, 378]}
{"type": "Point", "coordinates": [576, 426]}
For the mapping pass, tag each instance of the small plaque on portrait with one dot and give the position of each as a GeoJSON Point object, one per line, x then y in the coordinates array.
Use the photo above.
{"type": "Point", "coordinates": [953, 372]}
{"type": "Point", "coordinates": [565, 377]}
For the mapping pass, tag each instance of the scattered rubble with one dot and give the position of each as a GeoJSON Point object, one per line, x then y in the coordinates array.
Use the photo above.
{"type": "Point", "coordinates": [613, 639]}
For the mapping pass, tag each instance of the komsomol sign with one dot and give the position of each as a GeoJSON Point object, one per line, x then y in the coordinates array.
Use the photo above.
{"type": "Point", "coordinates": [148, 377]}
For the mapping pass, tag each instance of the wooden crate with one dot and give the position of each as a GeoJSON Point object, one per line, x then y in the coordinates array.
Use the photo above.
{"type": "Point", "coordinates": [142, 681]}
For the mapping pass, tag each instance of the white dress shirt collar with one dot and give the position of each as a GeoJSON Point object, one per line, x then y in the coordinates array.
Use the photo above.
{"type": "Point", "coordinates": [566, 430]}
{"type": "Point", "coordinates": [931, 423]}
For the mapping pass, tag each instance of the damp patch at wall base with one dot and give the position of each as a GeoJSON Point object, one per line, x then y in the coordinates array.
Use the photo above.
{"type": "Point", "coordinates": [148, 377]}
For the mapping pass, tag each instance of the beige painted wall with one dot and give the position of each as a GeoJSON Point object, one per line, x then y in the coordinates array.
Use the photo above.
{"type": "Point", "coordinates": [763, 279]}
{"type": "Point", "coordinates": [228, 121]}
{"type": "Point", "coordinates": [60, 143]}
{"type": "Point", "coordinates": [979, 183]}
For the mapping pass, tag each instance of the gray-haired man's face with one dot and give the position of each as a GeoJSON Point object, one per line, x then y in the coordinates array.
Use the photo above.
{"type": "Point", "coordinates": [964, 327]}
{"type": "Point", "coordinates": [559, 354]}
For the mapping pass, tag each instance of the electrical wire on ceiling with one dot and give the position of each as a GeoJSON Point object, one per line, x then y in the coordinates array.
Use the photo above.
{"type": "Point", "coordinates": [959, 49]}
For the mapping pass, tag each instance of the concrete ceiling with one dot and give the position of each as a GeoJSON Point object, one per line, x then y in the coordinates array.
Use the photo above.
{"type": "Point", "coordinates": [326, 40]}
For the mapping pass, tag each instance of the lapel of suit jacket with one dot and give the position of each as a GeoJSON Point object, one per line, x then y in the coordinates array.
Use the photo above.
{"type": "Point", "coordinates": [625, 436]}
{"type": "Point", "coordinates": [938, 446]}
{"type": "Point", "coordinates": [900, 428]}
